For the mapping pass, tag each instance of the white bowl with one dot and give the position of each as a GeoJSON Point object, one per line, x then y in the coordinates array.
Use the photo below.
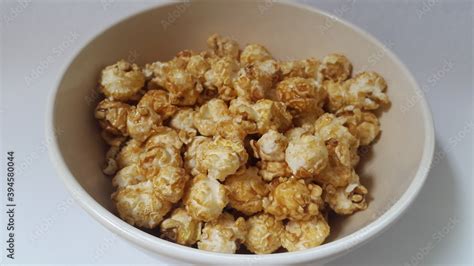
{"type": "Point", "coordinates": [394, 173]}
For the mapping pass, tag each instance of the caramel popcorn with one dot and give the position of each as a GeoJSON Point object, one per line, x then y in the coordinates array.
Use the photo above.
{"type": "Point", "coordinates": [121, 81]}
{"type": "Point", "coordinates": [246, 191]}
{"type": "Point", "coordinates": [199, 140]}
{"type": "Point", "coordinates": [181, 228]}
{"type": "Point", "coordinates": [293, 199]}
{"type": "Point", "coordinates": [264, 232]}
{"type": "Point", "coordinates": [205, 198]}
{"type": "Point", "coordinates": [301, 235]}
{"type": "Point", "coordinates": [223, 235]}
{"type": "Point", "coordinates": [139, 205]}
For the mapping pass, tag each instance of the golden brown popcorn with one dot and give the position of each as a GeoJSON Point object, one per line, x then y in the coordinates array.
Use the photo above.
{"type": "Point", "coordinates": [142, 122]}
{"type": "Point", "coordinates": [335, 67]}
{"type": "Point", "coordinates": [246, 191]}
{"type": "Point", "coordinates": [170, 183]}
{"type": "Point", "coordinates": [223, 235]}
{"type": "Point", "coordinates": [221, 158]}
{"type": "Point", "coordinates": [255, 81]}
{"type": "Point", "coordinates": [198, 145]}
{"type": "Point", "coordinates": [270, 170]}
{"type": "Point", "coordinates": [346, 200]}
{"type": "Point", "coordinates": [263, 235]}
{"type": "Point", "coordinates": [111, 139]}
{"type": "Point", "coordinates": [223, 46]}
{"type": "Point", "coordinates": [301, 95]}
{"type": "Point", "coordinates": [158, 101]}
{"type": "Point", "coordinates": [363, 125]}
{"type": "Point", "coordinates": [127, 176]}
{"type": "Point", "coordinates": [306, 68]}
{"type": "Point", "coordinates": [198, 66]}
{"type": "Point", "coordinates": [205, 198]}
{"type": "Point", "coordinates": [365, 91]}
{"type": "Point", "coordinates": [111, 166]}
{"type": "Point", "coordinates": [121, 80]}
{"type": "Point", "coordinates": [129, 154]}
{"type": "Point", "coordinates": [297, 132]}
{"type": "Point", "coordinates": [301, 235]}
{"type": "Point", "coordinates": [183, 122]}
{"type": "Point", "coordinates": [139, 205]}
{"type": "Point", "coordinates": [271, 146]}
{"type": "Point", "coordinates": [157, 157]}
{"type": "Point", "coordinates": [294, 199]}
{"type": "Point", "coordinates": [254, 53]}
{"type": "Point", "coordinates": [112, 116]}
{"type": "Point", "coordinates": [220, 77]}
{"type": "Point", "coordinates": [209, 115]}
{"type": "Point", "coordinates": [164, 136]}
{"type": "Point", "coordinates": [181, 228]}
{"type": "Point", "coordinates": [306, 156]}
{"type": "Point", "coordinates": [329, 127]}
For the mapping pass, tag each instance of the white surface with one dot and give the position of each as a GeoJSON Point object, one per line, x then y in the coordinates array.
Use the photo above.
{"type": "Point", "coordinates": [51, 228]}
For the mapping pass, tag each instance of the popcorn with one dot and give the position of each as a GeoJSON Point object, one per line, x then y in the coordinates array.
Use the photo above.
{"type": "Point", "coordinates": [129, 154]}
{"type": "Point", "coordinates": [335, 67]}
{"type": "Point", "coordinates": [301, 235]}
{"type": "Point", "coordinates": [141, 122]}
{"type": "Point", "coordinates": [221, 158]}
{"type": "Point", "coordinates": [158, 101]}
{"type": "Point", "coordinates": [170, 182]}
{"type": "Point", "coordinates": [254, 53]}
{"type": "Point", "coordinates": [306, 156]}
{"type": "Point", "coordinates": [301, 95]}
{"type": "Point", "coordinates": [365, 91]}
{"type": "Point", "coordinates": [223, 46]}
{"type": "Point", "coordinates": [263, 235]}
{"type": "Point", "coordinates": [293, 199]}
{"type": "Point", "coordinates": [139, 205]}
{"type": "Point", "coordinates": [346, 200]}
{"type": "Point", "coordinates": [179, 133]}
{"type": "Point", "coordinates": [246, 191]}
{"type": "Point", "coordinates": [181, 228]}
{"type": "Point", "coordinates": [205, 198]}
{"type": "Point", "coordinates": [112, 116]}
{"type": "Point", "coordinates": [121, 81]}
{"type": "Point", "coordinates": [223, 235]}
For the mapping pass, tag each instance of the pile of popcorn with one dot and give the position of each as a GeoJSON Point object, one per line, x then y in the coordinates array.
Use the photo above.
{"type": "Point", "coordinates": [230, 150]}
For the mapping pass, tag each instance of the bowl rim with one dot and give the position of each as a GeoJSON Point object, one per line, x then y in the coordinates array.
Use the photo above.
{"type": "Point", "coordinates": [176, 251]}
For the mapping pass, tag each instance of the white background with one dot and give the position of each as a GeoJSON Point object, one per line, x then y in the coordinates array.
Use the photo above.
{"type": "Point", "coordinates": [428, 36]}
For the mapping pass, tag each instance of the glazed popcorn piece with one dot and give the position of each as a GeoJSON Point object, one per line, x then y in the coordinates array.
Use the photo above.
{"type": "Point", "coordinates": [264, 233]}
{"type": "Point", "coordinates": [139, 205]}
{"type": "Point", "coordinates": [301, 235]}
{"type": "Point", "coordinates": [208, 136]}
{"type": "Point", "coordinates": [170, 183]}
{"type": "Point", "coordinates": [365, 91]}
{"type": "Point", "coordinates": [293, 199]}
{"type": "Point", "coordinates": [127, 176]}
{"type": "Point", "coordinates": [346, 200]}
{"type": "Point", "coordinates": [221, 158]}
{"type": "Point", "coordinates": [112, 116]}
{"type": "Point", "coordinates": [329, 127]}
{"type": "Point", "coordinates": [246, 191]}
{"type": "Point", "coordinates": [306, 68]}
{"type": "Point", "coordinates": [255, 81]}
{"type": "Point", "coordinates": [223, 235]}
{"type": "Point", "coordinates": [335, 67]}
{"type": "Point", "coordinates": [363, 125]}
{"type": "Point", "coordinates": [181, 228]}
{"type": "Point", "coordinates": [223, 46]}
{"type": "Point", "coordinates": [129, 154]}
{"type": "Point", "coordinates": [158, 101]}
{"type": "Point", "coordinates": [253, 53]}
{"type": "Point", "coordinates": [141, 122]}
{"type": "Point", "coordinates": [205, 198]}
{"type": "Point", "coordinates": [306, 156]}
{"type": "Point", "coordinates": [301, 95]}
{"type": "Point", "coordinates": [121, 81]}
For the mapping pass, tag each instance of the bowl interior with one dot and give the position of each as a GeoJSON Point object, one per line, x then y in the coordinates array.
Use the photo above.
{"type": "Point", "coordinates": [289, 32]}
